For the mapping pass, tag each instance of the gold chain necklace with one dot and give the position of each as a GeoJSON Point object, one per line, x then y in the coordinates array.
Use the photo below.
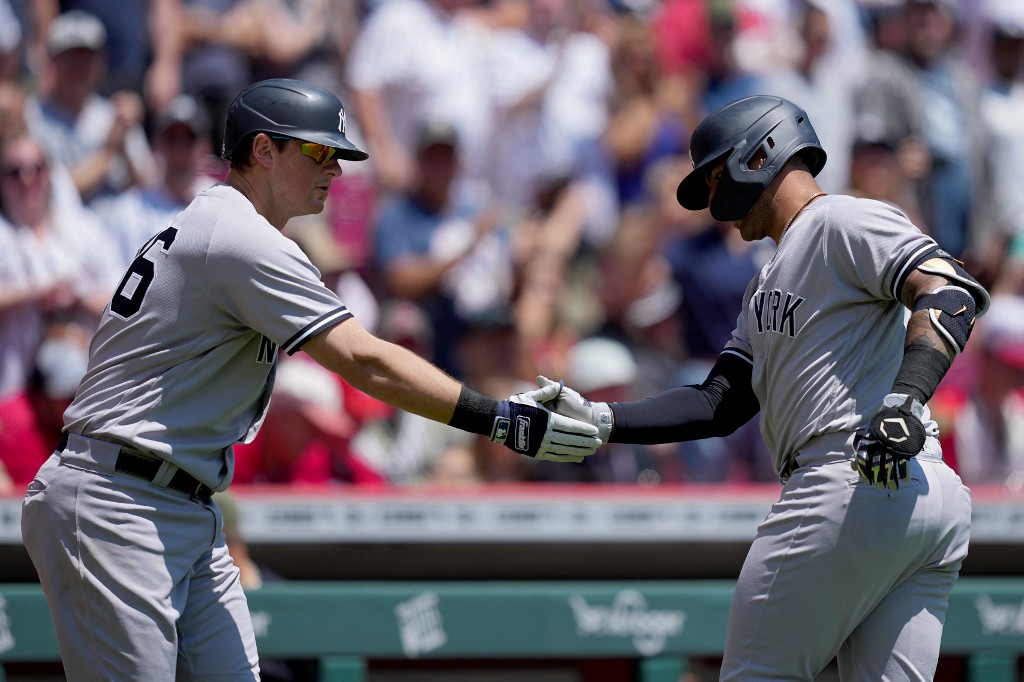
{"type": "Point", "coordinates": [798, 212]}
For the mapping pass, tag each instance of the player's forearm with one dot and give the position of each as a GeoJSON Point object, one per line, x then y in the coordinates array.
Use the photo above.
{"type": "Point", "coordinates": [943, 313]}
{"type": "Point", "coordinates": [403, 379]}
{"type": "Point", "coordinates": [927, 356]}
{"type": "Point", "coordinates": [719, 406]}
{"type": "Point", "coordinates": [386, 371]}
{"type": "Point", "coordinates": [676, 415]}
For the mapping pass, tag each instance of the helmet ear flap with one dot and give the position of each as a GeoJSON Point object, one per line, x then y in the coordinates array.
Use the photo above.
{"type": "Point", "coordinates": [733, 200]}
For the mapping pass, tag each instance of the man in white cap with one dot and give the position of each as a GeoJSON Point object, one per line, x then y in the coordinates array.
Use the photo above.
{"type": "Point", "coordinates": [100, 139]}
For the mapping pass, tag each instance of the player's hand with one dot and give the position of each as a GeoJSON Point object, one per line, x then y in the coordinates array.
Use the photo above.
{"type": "Point", "coordinates": [523, 424]}
{"type": "Point", "coordinates": [896, 434]}
{"type": "Point", "coordinates": [572, 404]}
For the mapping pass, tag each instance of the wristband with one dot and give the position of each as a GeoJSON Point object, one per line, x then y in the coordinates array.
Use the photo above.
{"type": "Point", "coordinates": [921, 371]}
{"type": "Point", "coordinates": [474, 412]}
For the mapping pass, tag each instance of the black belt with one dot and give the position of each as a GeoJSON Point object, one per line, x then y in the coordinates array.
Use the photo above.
{"type": "Point", "coordinates": [146, 468]}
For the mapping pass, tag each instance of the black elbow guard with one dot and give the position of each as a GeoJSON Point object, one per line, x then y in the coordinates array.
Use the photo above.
{"type": "Point", "coordinates": [938, 262]}
{"type": "Point", "coordinates": [951, 310]}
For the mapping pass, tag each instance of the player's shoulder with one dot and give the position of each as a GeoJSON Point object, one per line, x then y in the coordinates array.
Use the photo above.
{"type": "Point", "coordinates": [863, 205]}
{"type": "Point", "coordinates": [846, 212]}
{"type": "Point", "coordinates": [222, 219]}
{"type": "Point", "coordinates": [228, 210]}
{"type": "Point", "coordinates": [238, 234]}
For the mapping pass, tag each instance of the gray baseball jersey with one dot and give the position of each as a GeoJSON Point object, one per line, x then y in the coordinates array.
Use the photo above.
{"type": "Point", "coordinates": [822, 322]}
{"type": "Point", "coordinates": [182, 364]}
{"type": "Point", "coordinates": [839, 568]}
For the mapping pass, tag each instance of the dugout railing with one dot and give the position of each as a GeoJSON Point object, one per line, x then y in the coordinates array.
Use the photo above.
{"type": "Point", "coordinates": [566, 575]}
{"type": "Point", "coordinates": [658, 624]}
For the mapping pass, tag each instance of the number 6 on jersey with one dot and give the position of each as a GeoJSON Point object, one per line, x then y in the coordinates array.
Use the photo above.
{"type": "Point", "coordinates": [132, 289]}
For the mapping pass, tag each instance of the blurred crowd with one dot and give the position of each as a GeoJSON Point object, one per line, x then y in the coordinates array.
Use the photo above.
{"type": "Point", "coordinates": [517, 215]}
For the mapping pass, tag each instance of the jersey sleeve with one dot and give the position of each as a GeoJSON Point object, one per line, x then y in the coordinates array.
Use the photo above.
{"type": "Point", "coordinates": [265, 282]}
{"type": "Point", "coordinates": [874, 248]}
{"type": "Point", "coordinates": [739, 344]}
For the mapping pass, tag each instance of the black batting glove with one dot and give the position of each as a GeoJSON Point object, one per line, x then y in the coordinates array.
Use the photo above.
{"type": "Point", "coordinates": [895, 435]}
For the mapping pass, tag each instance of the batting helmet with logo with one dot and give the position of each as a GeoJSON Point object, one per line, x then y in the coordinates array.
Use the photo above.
{"type": "Point", "coordinates": [292, 108]}
{"type": "Point", "coordinates": [735, 132]}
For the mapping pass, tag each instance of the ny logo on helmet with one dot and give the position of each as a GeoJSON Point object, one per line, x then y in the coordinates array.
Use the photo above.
{"type": "Point", "coordinates": [341, 121]}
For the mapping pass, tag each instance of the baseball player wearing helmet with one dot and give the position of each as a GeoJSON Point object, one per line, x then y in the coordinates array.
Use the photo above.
{"type": "Point", "coordinates": [857, 558]}
{"type": "Point", "coordinates": [119, 522]}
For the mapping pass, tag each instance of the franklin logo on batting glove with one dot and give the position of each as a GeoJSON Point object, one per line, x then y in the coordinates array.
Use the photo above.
{"type": "Point", "coordinates": [522, 433]}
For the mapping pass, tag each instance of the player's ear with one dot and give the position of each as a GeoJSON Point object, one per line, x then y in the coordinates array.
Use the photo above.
{"type": "Point", "coordinates": [263, 150]}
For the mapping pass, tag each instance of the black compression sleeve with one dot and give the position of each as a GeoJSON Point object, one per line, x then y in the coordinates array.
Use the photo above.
{"type": "Point", "coordinates": [719, 406]}
{"type": "Point", "coordinates": [921, 371]}
{"type": "Point", "coordinates": [474, 412]}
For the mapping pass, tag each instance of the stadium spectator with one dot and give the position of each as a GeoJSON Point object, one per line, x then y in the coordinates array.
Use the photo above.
{"type": "Point", "coordinates": [455, 467]}
{"type": "Point", "coordinates": [1002, 106]}
{"type": "Point", "coordinates": [726, 79]}
{"type": "Point", "coordinates": [711, 266]}
{"type": "Point", "coordinates": [47, 274]}
{"type": "Point", "coordinates": [55, 259]}
{"type": "Point", "coordinates": [182, 143]}
{"type": "Point", "coordinates": [446, 257]}
{"type": "Point", "coordinates": [981, 416]}
{"type": "Point", "coordinates": [12, 108]}
{"type": "Point", "coordinates": [60, 364]}
{"type": "Point", "coordinates": [404, 447]}
{"type": "Point", "coordinates": [550, 84]}
{"type": "Point", "coordinates": [682, 32]}
{"type": "Point", "coordinates": [219, 39]}
{"type": "Point", "coordinates": [30, 419]}
{"type": "Point", "coordinates": [307, 40]}
{"type": "Point", "coordinates": [651, 111]}
{"type": "Point", "coordinates": [11, 40]}
{"type": "Point", "coordinates": [101, 140]}
{"type": "Point", "coordinates": [820, 82]}
{"type": "Point", "coordinates": [638, 299]}
{"type": "Point", "coordinates": [928, 98]}
{"type": "Point", "coordinates": [608, 370]}
{"type": "Point", "coordinates": [876, 171]}
{"type": "Point", "coordinates": [415, 60]}
{"type": "Point", "coordinates": [571, 260]}
{"type": "Point", "coordinates": [306, 435]}
{"type": "Point", "coordinates": [143, 47]}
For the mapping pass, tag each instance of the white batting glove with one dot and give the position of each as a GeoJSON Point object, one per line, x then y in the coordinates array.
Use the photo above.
{"type": "Point", "coordinates": [572, 404]}
{"type": "Point", "coordinates": [525, 425]}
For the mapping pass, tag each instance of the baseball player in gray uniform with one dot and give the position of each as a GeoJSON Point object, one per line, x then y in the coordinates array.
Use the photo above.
{"type": "Point", "coordinates": [842, 340]}
{"type": "Point", "coordinates": [119, 522]}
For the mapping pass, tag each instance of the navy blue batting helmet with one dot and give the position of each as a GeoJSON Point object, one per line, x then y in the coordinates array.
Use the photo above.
{"type": "Point", "coordinates": [289, 107]}
{"type": "Point", "coordinates": [736, 132]}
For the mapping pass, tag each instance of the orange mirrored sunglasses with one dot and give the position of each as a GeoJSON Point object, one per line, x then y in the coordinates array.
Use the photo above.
{"type": "Point", "coordinates": [321, 153]}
